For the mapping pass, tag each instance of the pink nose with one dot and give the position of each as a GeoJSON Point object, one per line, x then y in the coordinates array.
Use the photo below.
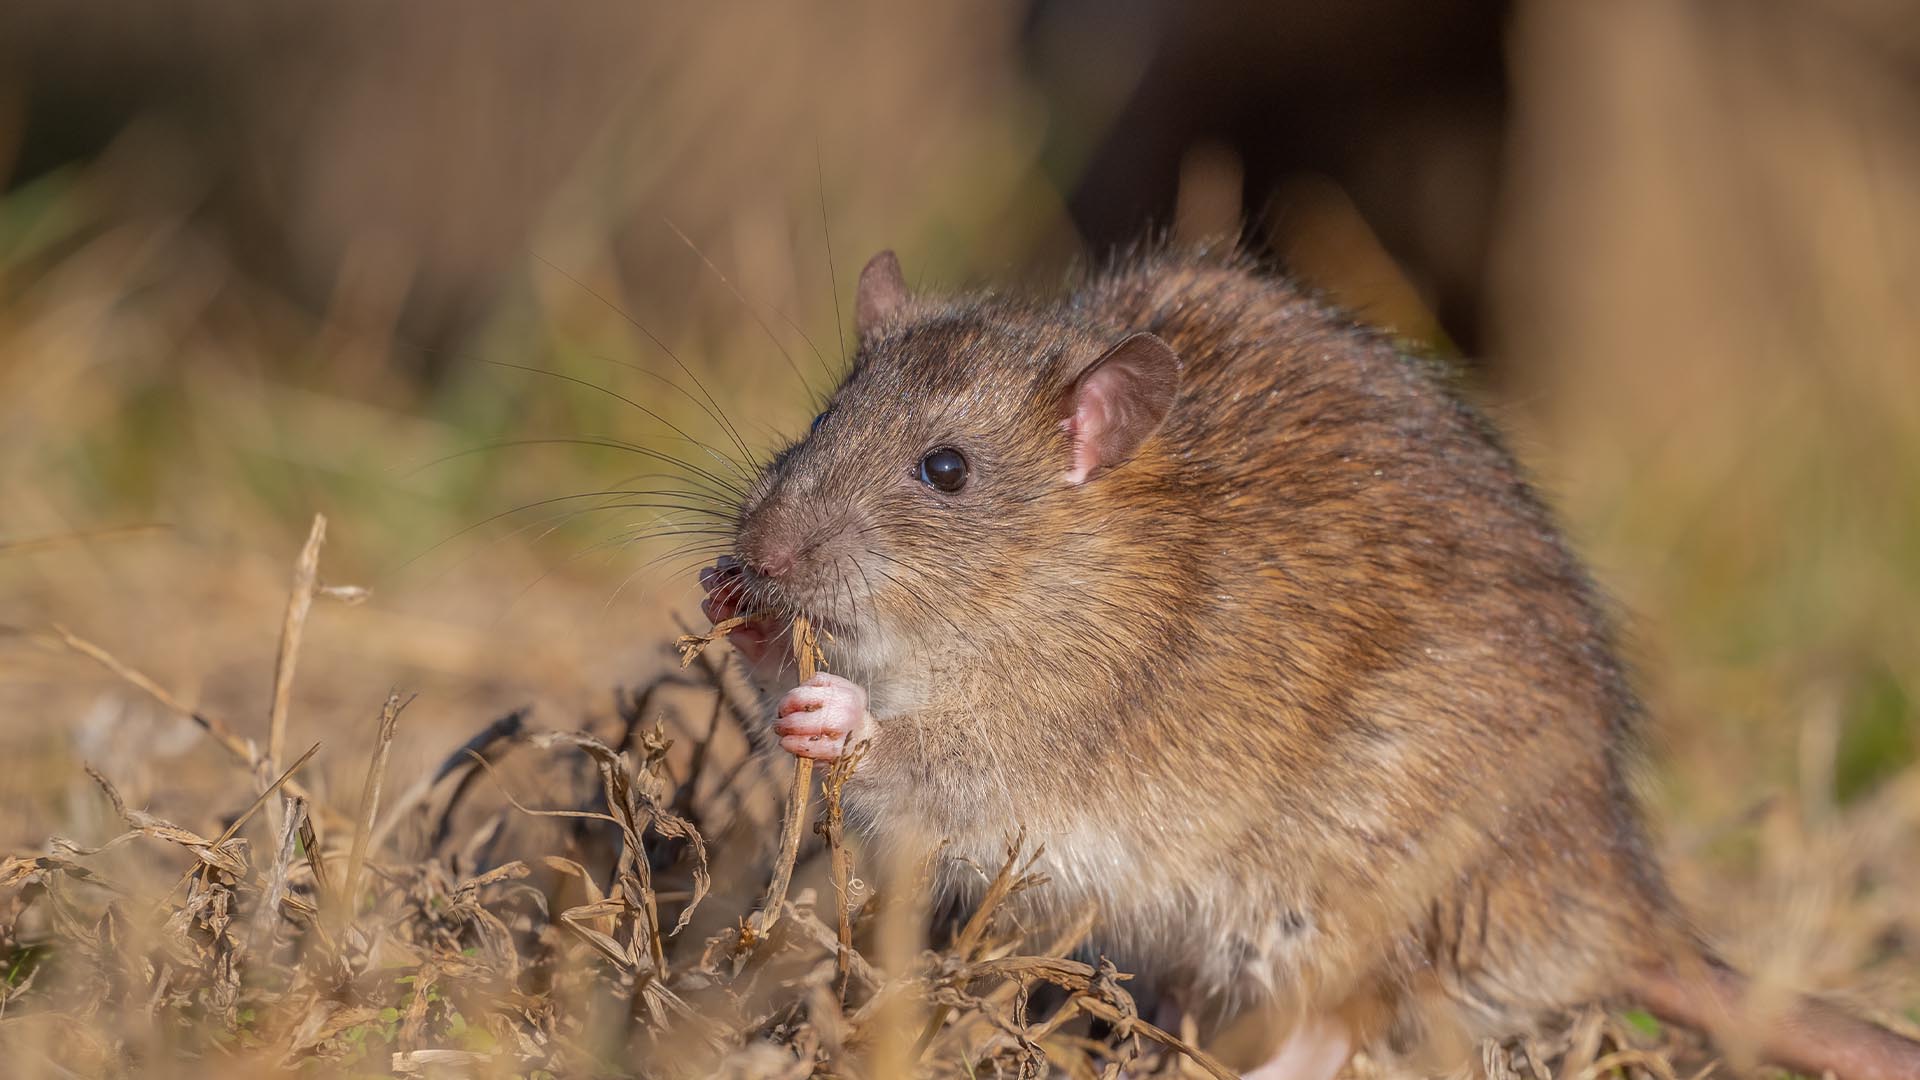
{"type": "Point", "coordinates": [775, 563]}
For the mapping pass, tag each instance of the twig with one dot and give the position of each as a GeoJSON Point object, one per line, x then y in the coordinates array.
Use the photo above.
{"type": "Point", "coordinates": [286, 841]}
{"type": "Point", "coordinates": [285, 780]}
{"type": "Point", "coordinates": [43, 543]}
{"type": "Point", "coordinates": [998, 889]}
{"type": "Point", "coordinates": [505, 728]}
{"type": "Point", "coordinates": [744, 716]}
{"type": "Point", "coordinates": [238, 747]}
{"type": "Point", "coordinates": [1135, 1025]}
{"type": "Point", "coordinates": [683, 798]}
{"type": "Point", "coordinates": [322, 886]}
{"type": "Point", "coordinates": [692, 645]}
{"type": "Point", "coordinates": [370, 801]}
{"type": "Point", "coordinates": [1002, 886]}
{"type": "Point", "coordinates": [305, 572]}
{"type": "Point", "coordinates": [806, 653]}
{"type": "Point", "coordinates": [832, 828]}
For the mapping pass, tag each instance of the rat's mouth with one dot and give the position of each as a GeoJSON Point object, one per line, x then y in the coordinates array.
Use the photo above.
{"type": "Point", "coordinates": [768, 605]}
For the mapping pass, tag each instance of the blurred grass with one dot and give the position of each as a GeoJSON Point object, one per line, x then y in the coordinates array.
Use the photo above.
{"type": "Point", "coordinates": [1709, 258]}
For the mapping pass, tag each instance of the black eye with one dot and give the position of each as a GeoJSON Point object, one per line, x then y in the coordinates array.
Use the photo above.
{"type": "Point", "coordinates": [944, 470]}
{"type": "Point", "coordinates": [817, 421]}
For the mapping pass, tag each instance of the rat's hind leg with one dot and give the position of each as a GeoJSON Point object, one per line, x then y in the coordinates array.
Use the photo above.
{"type": "Point", "coordinates": [1510, 945]}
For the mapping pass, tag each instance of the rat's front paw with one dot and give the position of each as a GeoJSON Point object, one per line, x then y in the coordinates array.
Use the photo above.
{"type": "Point", "coordinates": [823, 718]}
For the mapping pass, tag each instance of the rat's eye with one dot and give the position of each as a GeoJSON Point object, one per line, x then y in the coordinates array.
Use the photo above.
{"type": "Point", "coordinates": [944, 470]}
{"type": "Point", "coordinates": [817, 421]}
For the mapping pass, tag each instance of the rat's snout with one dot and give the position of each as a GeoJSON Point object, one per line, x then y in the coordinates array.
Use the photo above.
{"type": "Point", "coordinates": [771, 540]}
{"type": "Point", "coordinates": [770, 558]}
{"type": "Point", "coordinates": [795, 544]}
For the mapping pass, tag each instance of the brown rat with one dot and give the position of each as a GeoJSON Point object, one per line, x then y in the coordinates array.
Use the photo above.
{"type": "Point", "coordinates": [1256, 627]}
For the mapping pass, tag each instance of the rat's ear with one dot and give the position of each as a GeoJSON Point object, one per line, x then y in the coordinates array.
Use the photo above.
{"type": "Point", "coordinates": [1119, 401]}
{"type": "Point", "coordinates": [881, 294]}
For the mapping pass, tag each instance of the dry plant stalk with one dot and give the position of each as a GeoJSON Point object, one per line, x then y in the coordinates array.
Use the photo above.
{"type": "Point", "coordinates": [692, 645]}
{"type": "Point", "coordinates": [284, 780]}
{"type": "Point", "coordinates": [213, 726]}
{"type": "Point", "coordinates": [306, 573]}
{"type": "Point", "coordinates": [806, 654]}
{"type": "Point", "coordinates": [241, 749]}
{"type": "Point", "coordinates": [33, 544]}
{"type": "Point", "coordinates": [833, 830]}
{"type": "Point", "coordinates": [369, 802]}
{"type": "Point", "coordinates": [463, 938]}
{"type": "Point", "coordinates": [807, 657]}
{"type": "Point", "coordinates": [1003, 885]}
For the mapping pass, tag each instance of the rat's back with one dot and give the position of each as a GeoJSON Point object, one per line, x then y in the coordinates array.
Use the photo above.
{"type": "Point", "coordinates": [1407, 666]}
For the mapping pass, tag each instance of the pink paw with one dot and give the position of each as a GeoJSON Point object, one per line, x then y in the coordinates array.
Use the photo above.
{"type": "Point", "coordinates": [823, 718]}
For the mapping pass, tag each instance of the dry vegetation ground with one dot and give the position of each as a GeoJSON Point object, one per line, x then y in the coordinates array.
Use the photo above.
{"type": "Point", "coordinates": [417, 931]}
{"type": "Point", "coordinates": [1705, 315]}
{"type": "Point", "coordinates": [400, 937]}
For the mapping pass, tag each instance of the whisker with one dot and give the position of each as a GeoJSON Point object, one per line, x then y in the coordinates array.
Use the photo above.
{"type": "Point", "coordinates": [640, 532]}
{"type": "Point", "coordinates": [728, 490]}
{"type": "Point", "coordinates": [563, 498]}
{"type": "Point", "coordinates": [928, 606]}
{"type": "Point", "coordinates": [840, 584]}
{"type": "Point", "coordinates": [709, 548]}
{"type": "Point", "coordinates": [751, 310]}
{"type": "Point", "coordinates": [608, 359]}
{"type": "Point", "coordinates": [649, 564]}
{"type": "Point", "coordinates": [713, 516]}
{"type": "Point", "coordinates": [833, 279]}
{"type": "Point", "coordinates": [597, 546]}
{"type": "Point", "coordinates": [670, 425]}
{"type": "Point", "coordinates": [555, 523]}
{"type": "Point", "coordinates": [651, 336]}
{"type": "Point", "coordinates": [818, 356]}
{"type": "Point", "coordinates": [867, 582]}
{"type": "Point", "coordinates": [719, 419]}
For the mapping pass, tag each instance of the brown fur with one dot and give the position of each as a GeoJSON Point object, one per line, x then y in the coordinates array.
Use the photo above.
{"type": "Point", "coordinates": [1308, 697]}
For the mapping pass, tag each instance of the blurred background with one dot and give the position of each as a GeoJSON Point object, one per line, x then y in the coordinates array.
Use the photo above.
{"type": "Point", "coordinates": [263, 261]}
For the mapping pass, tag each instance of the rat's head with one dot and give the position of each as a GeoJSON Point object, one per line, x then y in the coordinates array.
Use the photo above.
{"type": "Point", "coordinates": [960, 475]}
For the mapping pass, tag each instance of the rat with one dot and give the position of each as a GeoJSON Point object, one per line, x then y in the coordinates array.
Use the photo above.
{"type": "Point", "coordinates": [1247, 617]}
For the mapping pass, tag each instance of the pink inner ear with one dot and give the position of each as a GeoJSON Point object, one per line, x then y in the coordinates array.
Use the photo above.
{"type": "Point", "coordinates": [1091, 418]}
{"type": "Point", "coordinates": [1119, 403]}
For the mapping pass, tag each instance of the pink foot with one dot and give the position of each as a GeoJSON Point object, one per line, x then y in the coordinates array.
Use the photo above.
{"type": "Point", "coordinates": [1316, 1049]}
{"type": "Point", "coordinates": [823, 718]}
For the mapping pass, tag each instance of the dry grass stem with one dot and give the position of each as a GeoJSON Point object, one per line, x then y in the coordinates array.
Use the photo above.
{"type": "Point", "coordinates": [242, 750]}
{"type": "Point", "coordinates": [34, 544]}
{"type": "Point", "coordinates": [370, 801]}
{"type": "Point", "coordinates": [806, 655]}
{"type": "Point", "coordinates": [306, 573]}
{"type": "Point", "coordinates": [692, 645]}
{"type": "Point", "coordinates": [833, 829]}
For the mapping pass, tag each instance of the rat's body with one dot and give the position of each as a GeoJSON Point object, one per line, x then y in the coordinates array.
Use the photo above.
{"type": "Point", "coordinates": [1251, 623]}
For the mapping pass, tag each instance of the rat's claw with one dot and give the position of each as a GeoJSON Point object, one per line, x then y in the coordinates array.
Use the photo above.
{"type": "Point", "coordinates": [823, 717]}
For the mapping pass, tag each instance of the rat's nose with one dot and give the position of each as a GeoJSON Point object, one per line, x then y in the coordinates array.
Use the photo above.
{"type": "Point", "coordinates": [773, 560]}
